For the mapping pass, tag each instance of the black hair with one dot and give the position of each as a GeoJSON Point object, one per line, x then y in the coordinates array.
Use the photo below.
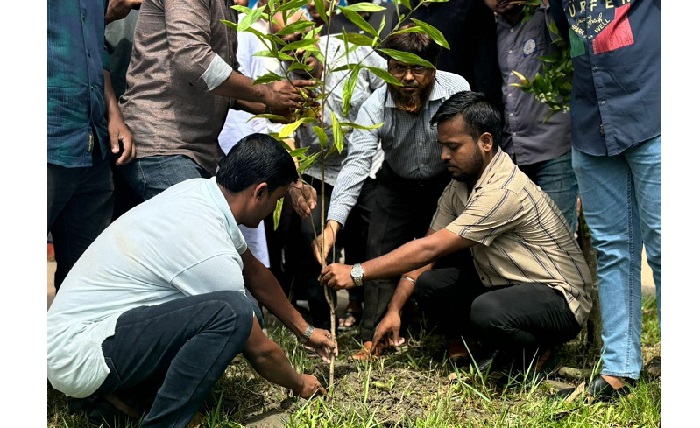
{"type": "Point", "coordinates": [257, 158]}
{"type": "Point", "coordinates": [479, 114]}
{"type": "Point", "coordinates": [417, 43]}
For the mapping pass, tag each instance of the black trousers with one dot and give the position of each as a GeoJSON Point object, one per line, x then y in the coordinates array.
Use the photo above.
{"type": "Point", "coordinates": [352, 238]}
{"type": "Point", "coordinates": [79, 208]}
{"type": "Point", "coordinates": [509, 318]}
{"type": "Point", "coordinates": [402, 212]}
{"type": "Point", "coordinates": [166, 358]}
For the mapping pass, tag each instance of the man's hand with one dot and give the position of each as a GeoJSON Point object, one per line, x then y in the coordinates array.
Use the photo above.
{"type": "Point", "coordinates": [310, 386]}
{"type": "Point", "coordinates": [387, 332]}
{"type": "Point", "coordinates": [119, 9]}
{"type": "Point", "coordinates": [321, 341]}
{"type": "Point", "coordinates": [303, 197]}
{"type": "Point", "coordinates": [284, 96]}
{"type": "Point", "coordinates": [120, 135]}
{"type": "Point", "coordinates": [337, 276]}
{"type": "Point", "coordinates": [323, 243]}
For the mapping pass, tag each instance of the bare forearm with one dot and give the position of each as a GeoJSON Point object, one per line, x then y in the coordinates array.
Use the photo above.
{"type": "Point", "coordinates": [411, 255]}
{"type": "Point", "coordinates": [274, 366]}
{"type": "Point", "coordinates": [405, 288]}
{"type": "Point", "coordinates": [112, 110]}
{"type": "Point", "coordinates": [250, 106]}
{"type": "Point", "coordinates": [266, 289]}
{"type": "Point", "coordinates": [403, 291]}
{"type": "Point", "coordinates": [241, 87]}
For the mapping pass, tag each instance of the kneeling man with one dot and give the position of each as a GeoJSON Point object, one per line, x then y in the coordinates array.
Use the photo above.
{"type": "Point", "coordinates": [156, 306]}
{"type": "Point", "coordinates": [523, 286]}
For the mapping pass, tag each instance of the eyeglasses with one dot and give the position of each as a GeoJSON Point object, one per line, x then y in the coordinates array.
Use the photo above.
{"type": "Point", "coordinates": [400, 70]}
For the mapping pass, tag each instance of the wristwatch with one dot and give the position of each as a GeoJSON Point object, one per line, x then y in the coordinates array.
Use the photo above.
{"type": "Point", "coordinates": [357, 273]}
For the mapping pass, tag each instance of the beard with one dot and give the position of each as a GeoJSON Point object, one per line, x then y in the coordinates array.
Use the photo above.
{"type": "Point", "coordinates": [470, 174]}
{"type": "Point", "coordinates": [411, 102]}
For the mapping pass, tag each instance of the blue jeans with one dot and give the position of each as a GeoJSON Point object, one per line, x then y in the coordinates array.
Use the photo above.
{"type": "Point", "coordinates": [150, 176]}
{"type": "Point", "coordinates": [621, 197]}
{"type": "Point", "coordinates": [168, 357]}
{"type": "Point", "coordinates": [557, 179]}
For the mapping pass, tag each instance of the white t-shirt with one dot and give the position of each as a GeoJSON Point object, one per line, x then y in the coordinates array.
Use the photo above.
{"type": "Point", "coordinates": [182, 242]}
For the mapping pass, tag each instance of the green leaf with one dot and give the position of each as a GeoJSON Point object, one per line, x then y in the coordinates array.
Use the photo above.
{"type": "Point", "coordinates": [407, 4]}
{"type": "Point", "coordinates": [230, 24]}
{"type": "Point", "coordinates": [356, 39]}
{"type": "Point", "coordinates": [349, 88]}
{"type": "Point", "coordinates": [365, 7]}
{"type": "Point", "coordinates": [337, 132]}
{"type": "Point", "coordinates": [292, 5]}
{"type": "Point", "coordinates": [250, 18]}
{"type": "Point", "coordinates": [381, 25]}
{"type": "Point", "coordinates": [280, 56]}
{"type": "Point", "coordinates": [271, 117]}
{"type": "Point", "coordinates": [277, 213]}
{"type": "Point", "coordinates": [549, 59]}
{"type": "Point", "coordinates": [385, 76]}
{"type": "Point", "coordinates": [321, 9]}
{"type": "Point", "coordinates": [307, 162]}
{"type": "Point", "coordinates": [432, 32]}
{"type": "Point", "coordinates": [297, 27]}
{"type": "Point", "coordinates": [287, 129]}
{"type": "Point", "coordinates": [267, 78]}
{"type": "Point", "coordinates": [299, 44]}
{"type": "Point", "coordinates": [407, 57]}
{"type": "Point", "coordinates": [356, 19]}
{"type": "Point", "coordinates": [358, 126]}
{"type": "Point", "coordinates": [322, 136]}
{"type": "Point", "coordinates": [296, 153]}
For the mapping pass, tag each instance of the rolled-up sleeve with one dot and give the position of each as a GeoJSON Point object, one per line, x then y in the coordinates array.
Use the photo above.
{"type": "Point", "coordinates": [188, 30]}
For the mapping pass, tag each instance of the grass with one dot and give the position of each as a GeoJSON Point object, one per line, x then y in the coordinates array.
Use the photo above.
{"type": "Point", "coordinates": [417, 387]}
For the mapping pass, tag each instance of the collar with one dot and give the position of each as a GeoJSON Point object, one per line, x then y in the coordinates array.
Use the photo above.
{"type": "Point", "coordinates": [495, 165]}
{"type": "Point", "coordinates": [499, 159]}
{"type": "Point", "coordinates": [218, 197]}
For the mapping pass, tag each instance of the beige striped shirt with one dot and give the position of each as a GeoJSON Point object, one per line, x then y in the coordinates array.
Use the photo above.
{"type": "Point", "coordinates": [521, 235]}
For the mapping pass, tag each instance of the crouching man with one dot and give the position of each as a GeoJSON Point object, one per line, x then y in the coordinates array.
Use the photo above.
{"type": "Point", "coordinates": [155, 309]}
{"type": "Point", "coordinates": [524, 286]}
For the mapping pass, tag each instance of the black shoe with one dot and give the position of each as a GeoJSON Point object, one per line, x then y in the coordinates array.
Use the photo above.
{"type": "Point", "coordinates": [601, 390]}
{"type": "Point", "coordinates": [100, 412]}
{"type": "Point", "coordinates": [495, 361]}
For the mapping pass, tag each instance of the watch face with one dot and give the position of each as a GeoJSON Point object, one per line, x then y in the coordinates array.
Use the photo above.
{"type": "Point", "coordinates": [356, 273]}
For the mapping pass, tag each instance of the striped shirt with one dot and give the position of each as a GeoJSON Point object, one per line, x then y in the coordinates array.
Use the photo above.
{"type": "Point", "coordinates": [409, 142]}
{"type": "Point", "coordinates": [75, 60]}
{"type": "Point", "coordinates": [367, 82]}
{"type": "Point", "coordinates": [181, 52]}
{"type": "Point", "coordinates": [522, 237]}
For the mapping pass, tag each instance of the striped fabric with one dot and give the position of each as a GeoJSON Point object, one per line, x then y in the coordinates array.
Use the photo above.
{"type": "Point", "coordinates": [409, 142]}
{"type": "Point", "coordinates": [75, 60]}
{"type": "Point", "coordinates": [521, 236]}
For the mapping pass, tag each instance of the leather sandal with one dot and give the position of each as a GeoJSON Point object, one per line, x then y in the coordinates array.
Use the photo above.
{"type": "Point", "coordinates": [349, 319]}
